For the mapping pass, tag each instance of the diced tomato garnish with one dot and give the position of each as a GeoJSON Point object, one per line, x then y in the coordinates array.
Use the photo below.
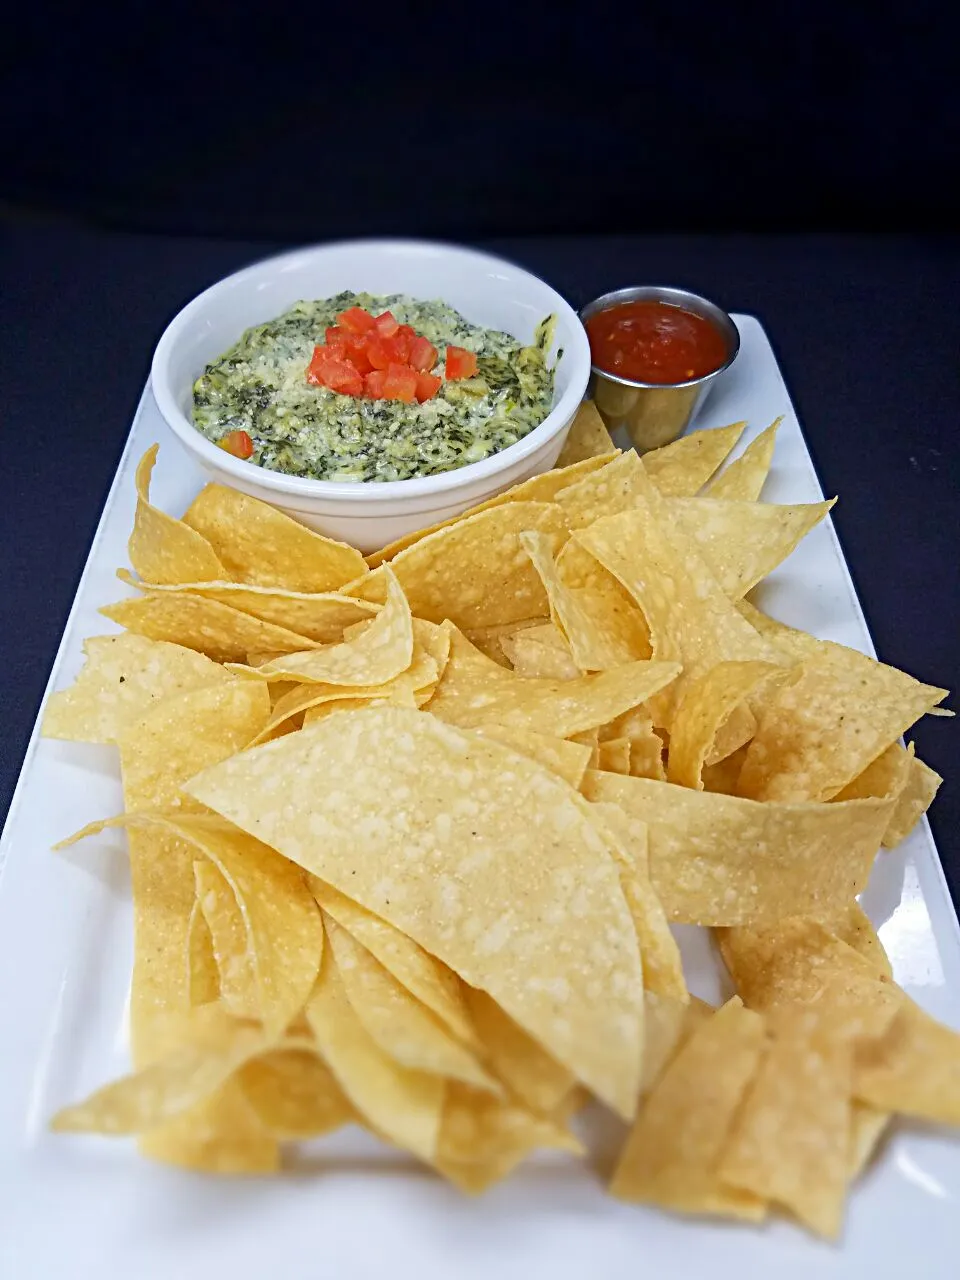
{"type": "Point", "coordinates": [373, 384]}
{"type": "Point", "coordinates": [238, 443]}
{"type": "Point", "coordinates": [320, 357]}
{"type": "Point", "coordinates": [400, 383]}
{"type": "Point", "coordinates": [428, 384]}
{"type": "Point", "coordinates": [387, 324]}
{"type": "Point", "coordinates": [423, 355]}
{"type": "Point", "coordinates": [341, 376]}
{"type": "Point", "coordinates": [460, 363]}
{"type": "Point", "coordinates": [356, 320]}
{"type": "Point", "coordinates": [381, 353]}
{"type": "Point", "coordinates": [355, 350]}
{"type": "Point", "coordinates": [403, 340]}
{"type": "Point", "coordinates": [336, 336]}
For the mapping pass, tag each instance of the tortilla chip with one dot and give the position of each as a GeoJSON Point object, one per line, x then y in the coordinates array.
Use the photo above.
{"type": "Point", "coordinates": [402, 1027]}
{"type": "Point", "coordinates": [867, 1127]}
{"type": "Point", "coordinates": [220, 1135]}
{"type": "Point", "coordinates": [222, 633]}
{"type": "Point", "coordinates": [294, 1094]}
{"type": "Point", "coordinates": [483, 1139]}
{"type": "Point", "coordinates": [404, 1106]}
{"type": "Point", "coordinates": [852, 925]}
{"type": "Point", "coordinates": [705, 708]}
{"type": "Point", "coordinates": [588, 437]}
{"type": "Point", "coordinates": [790, 1142]}
{"type": "Point", "coordinates": [538, 1080]}
{"type": "Point", "coordinates": [614, 755]}
{"type": "Point", "coordinates": [228, 935]}
{"type": "Point", "coordinates": [423, 975]}
{"type": "Point", "coordinates": [475, 572]}
{"type": "Point", "coordinates": [673, 1151]}
{"type": "Point", "coordinates": [821, 730]}
{"type": "Point", "coordinates": [177, 737]}
{"type": "Point", "coordinates": [489, 639]}
{"type": "Point", "coordinates": [720, 860]}
{"type": "Point", "coordinates": [681, 469]}
{"type": "Point", "coordinates": [260, 545]}
{"type": "Point", "coordinates": [914, 1069]}
{"type": "Point", "coordinates": [568, 760]}
{"type": "Point", "coordinates": [203, 974]}
{"type": "Point", "coordinates": [742, 542]}
{"type": "Point", "coordinates": [163, 549]}
{"type": "Point", "coordinates": [475, 691]}
{"type": "Point", "coordinates": [372, 656]}
{"type": "Point", "coordinates": [494, 918]}
{"type": "Point", "coordinates": [542, 487]}
{"type": "Point", "coordinates": [540, 653]}
{"type": "Point", "coordinates": [667, 1024]}
{"type": "Point", "coordinates": [122, 677]}
{"type": "Point", "coordinates": [598, 592]}
{"type": "Point", "coordinates": [322, 617]}
{"type": "Point", "coordinates": [217, 1045]}
{"type": "Point", "coordinates": [593, 645]}
{"type": "Point", "coordinates": [921, 786]}
{"type": "Point", "coordinates": [743, 479]}
{"type": "Point", "coordinates": [611, 489]}
{"type": "Point", "coordinates": [723, 776]}
{"type": "Point", "coordinates": [690, 619]}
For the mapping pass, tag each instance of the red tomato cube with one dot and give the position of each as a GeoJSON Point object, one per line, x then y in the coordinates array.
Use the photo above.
{"type": "Point", "coordinates": [400, 383]}
{"type": "Point", "coordinates": [320, 357]}
{"type": "Point", "coordinates": [336, 337]}
{"type": "Point", "coordinates": [356, 320]}
{"type": "Point", "coordinates": [403, 341]}
{"type": "Point", "coordinates": [423, 355]}
{"type": "Point", "coordinates": [428, 384]}
{"type": "Point", "coordinates": [238, 443]}
{"type": "Point", "coordinates": [373, 383]}
{"type": "Point", "coordinates": [342, 377]}
{"type": "Point", "coordinates": [460, 363]}
{"type": "Point", "coordinates": [387, 324]}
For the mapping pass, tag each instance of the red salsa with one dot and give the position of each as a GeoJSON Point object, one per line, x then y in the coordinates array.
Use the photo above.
{"type": "Point", "coordinates": [655, 342]}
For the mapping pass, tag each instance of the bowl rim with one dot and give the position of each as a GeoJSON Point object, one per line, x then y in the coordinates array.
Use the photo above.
{"type": "Point", "coordinates": [576, 349]}
{"type": "Point", "coordinates": [674, 296]}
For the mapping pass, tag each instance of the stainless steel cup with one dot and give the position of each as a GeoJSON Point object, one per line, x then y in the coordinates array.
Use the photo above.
{"type": "Point", "coordinates": [655, 413]}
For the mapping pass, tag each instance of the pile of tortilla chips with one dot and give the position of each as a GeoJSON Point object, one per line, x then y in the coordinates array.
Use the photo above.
{"type": "Point", "coordinates": [407, 835]}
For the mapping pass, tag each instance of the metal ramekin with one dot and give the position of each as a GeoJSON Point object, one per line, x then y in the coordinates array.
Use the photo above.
{"type": "Point", "coordinates": [654, 413]}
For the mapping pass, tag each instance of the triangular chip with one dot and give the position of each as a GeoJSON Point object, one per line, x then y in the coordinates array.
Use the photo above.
{"type": "Point", "coordinates": [604, 492]}
{"type": "Point", "coordinates": [228, 935]}
{"type": "Point", "coordinates": [488, 917]}
{"type": "Point", "coordinates": [294, 1095]}
{"type": "Point", "coordinates": [475, 572]}
{"type": "Point", "coordinates": [588, 437]}
{"type": "Point", "coordinates": [681, 469]}
{"type": "Point", "coordinates": [743, 479]}
{"type": "Point", "coordinates": [568, 760]}
{"type": "Point", "coordinates": [163, 549]}
{"type": "Point", "coordinates": [540, 653]}
{"type": "Point", "coordinates": [260, 545]}
{"type": "Point", "coordinates": [914, 1069]}
{"type": "Point", "coordinates": [538, 1080]}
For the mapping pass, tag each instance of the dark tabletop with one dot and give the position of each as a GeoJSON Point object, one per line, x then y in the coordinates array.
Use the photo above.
{"type": "Point", "coordinates": [867, 331]}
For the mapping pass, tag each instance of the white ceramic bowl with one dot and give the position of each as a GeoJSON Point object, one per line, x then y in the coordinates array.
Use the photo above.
{"type": "Point", "coordinates": [486, 290]}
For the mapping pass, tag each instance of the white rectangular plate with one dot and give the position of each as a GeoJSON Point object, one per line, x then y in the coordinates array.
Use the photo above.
{"type": "Point", "coordinates": [86, 1207]}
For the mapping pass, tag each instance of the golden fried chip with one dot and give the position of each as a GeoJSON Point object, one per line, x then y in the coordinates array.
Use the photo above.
{"type": "Point", "coordinates": [475, 691]}
{"type": "Point", "coordinates": [819, 731]}
{"type": "Point", "coordinates": [216, 1046]}
{"type": "Point", "coordinates": [914, 1069]}
{"type": "Point", "coordinates": [867, 1127]}
{"type": "Point", "coordinates": [222, 633]}
{"type": "Point", "coordinates": [180, 735]}
{"type": "Point", "coordinates": [540, 653]}
{"type": "Point", "coordinates": [920, 786]}
{"type": "Point", "coordinates": [742, 542]}
{"type": "Point", "coordinates": [722, 777]}
{"type": "Point", "coordinates": [743, 479]}
{"type": "Point", "coordinates": [691, 621]}
{"type": "Point", "coordinates": [433, 984]}
{"type": "Point", "coordinates": [707, 704]}
{"type": "Point", "coordinates": [671, 1156]}
{"type": "Point", "coordinates": [588, 437]}
{"type": "Point", "coordinates": [122, 676]}
{"type": "Point", "coordinates": [203, 975]}
{"type": "Point", "coordinates": [720, 860]}
{"type": "Point", "coordinates": [294, 1095]}
{"type": "Point", "coordinates": [681, 469]}
{"type": "Point", "coordinates": [378, 652]}
{"type": "Point", "coordinates": [402, 1027]}
{"type": "Point", "coordinates": [482, 1139]}
{"type": "Point", "coordinates": [237, 982]}
{"type": "Point", "coordinates": [852, 925]}
{"type": "Point", "coordinates": [221, 1135]}
{"type": "Point", "coordinates": [496, 918]}
{"type": "Point", "coordinates": [614, 755]}
{"type": "Point", "coordinates": [667, 1024]}
{"type": "Point", "coordinates": [538, 1080]}
{"type": "Point", "coordinates": [593, 645]}
{"type": "Point", "coordinates": [321, 617]}
{"type": "Point", "coordinates": [790, 1142]}
{"type": "Point", "coordinates": [542, 487]}
{"type": "Point", "coordinates": [612, 488]}
{"type": "Point", "coordinates": [489, 640]}
{"type": "Point", "coordinates": [568, 760]}
{"type": "Point", "coordinates": [262, 546]}
{"type": "Point", "coordinates": [475, 572]}
{"type": "Point", "coordinates": [405, 1106]}
{"type": "Point", "coordinates": [163, 549]}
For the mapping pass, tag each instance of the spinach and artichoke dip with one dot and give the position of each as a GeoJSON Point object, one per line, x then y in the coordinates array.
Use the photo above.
{"type": "Point", "coordinates": [259, 387]}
